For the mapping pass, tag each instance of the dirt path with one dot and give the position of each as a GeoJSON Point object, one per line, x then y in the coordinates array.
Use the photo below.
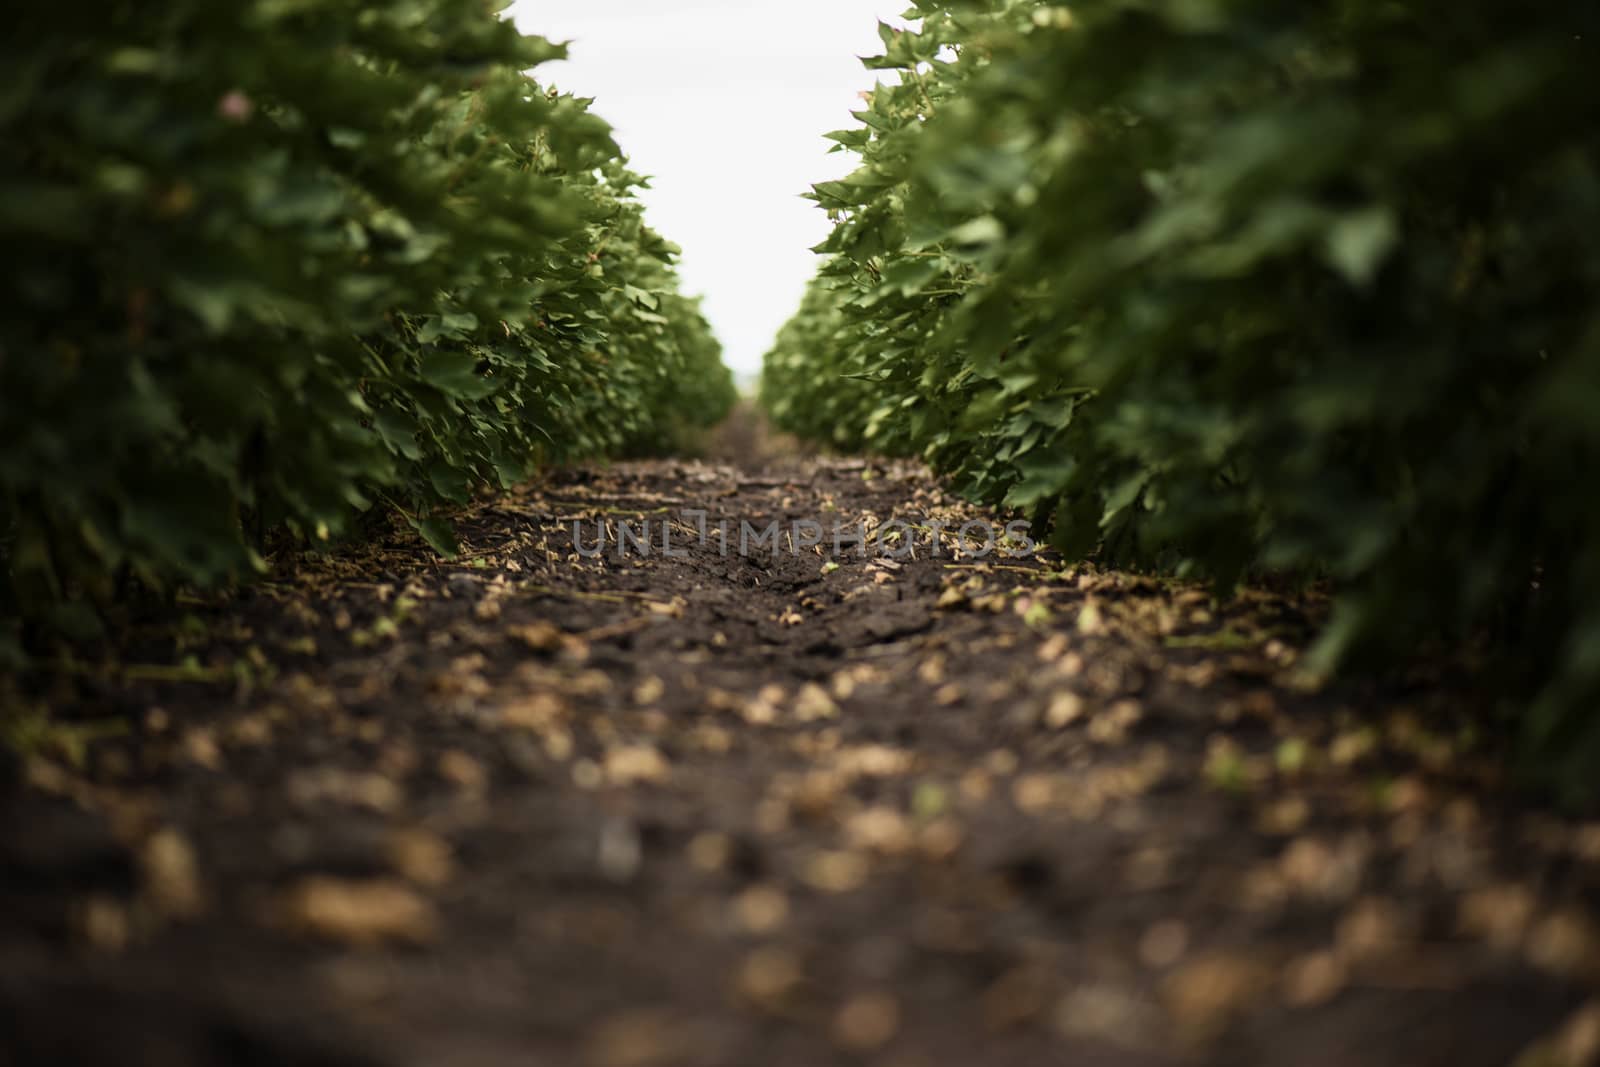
{"type": "Point", "coordinates": [530, 808]}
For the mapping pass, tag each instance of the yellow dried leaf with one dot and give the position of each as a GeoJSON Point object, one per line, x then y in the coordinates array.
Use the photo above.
{"type": "Point", "coordinates": [362, 914]}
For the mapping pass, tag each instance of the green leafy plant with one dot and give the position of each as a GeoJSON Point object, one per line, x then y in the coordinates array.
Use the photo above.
{"type": "Point", "coordinates": [277, 262]}
{"type": "Point", "coordinates": [1230, 287]}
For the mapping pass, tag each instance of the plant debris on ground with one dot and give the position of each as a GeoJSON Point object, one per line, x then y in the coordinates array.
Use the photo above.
{"type": "Point", "coordinates": [527, 807]}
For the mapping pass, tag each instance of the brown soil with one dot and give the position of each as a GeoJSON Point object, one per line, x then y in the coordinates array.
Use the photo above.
{"type": "Point", "coordinates": [525, 808]}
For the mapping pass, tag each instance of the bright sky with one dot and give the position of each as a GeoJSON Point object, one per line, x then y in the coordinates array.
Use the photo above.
{"type": "Point", "coordinates": [723, 103]}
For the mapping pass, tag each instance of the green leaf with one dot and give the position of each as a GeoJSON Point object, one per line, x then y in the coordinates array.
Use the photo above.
{"type": "Point", "coordinates": [452, 483]}
{"type": "Point", "coordinates": [455, 373]}
{"type": "Point", "coordinates": [1360, 241]}
{"type": "Point", "coordinates": [399, 432]}
{"type": "Point", "coordinates": [440, 534]}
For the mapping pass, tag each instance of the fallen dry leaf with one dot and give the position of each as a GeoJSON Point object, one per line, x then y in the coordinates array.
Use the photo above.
{"type": "Point", "coordinates": [1499, 915]}
{"type": "Point", "coordinates": [836, 872]}
{"type": "Point", "coordinates": [813, 703]}
{"type": "Point", "coordinates": [538, 636]}
{"type": "Point", "coordinates": [761, 909]}
{"type": "Point", "coordinates": [421, 857]}
{"type": "Point", "coordinates": [463, 771]}
{"type": "Point", "coordinates": [363, 914]}
{"type": "Point", "coordinates": [1314, 979]}
{"type": "Point", "coordinates": [632, 764]}
{"type": "Point", "coordinates": [769, 976]}
{"type": "Point", "coordinates": [317, 786]}
{"type": "Point", "coordinates": [1065, 708]}
{"type": "Point", "coordinates": [172, 875]}
{"type": "Point", "coordinates": [1565, 944]}
{"type": "Point", "coordinates": [647, 1038]}
{"type": "Point", "coordinates": [879, 830]}
{"type": "Point", "coordinates": [102, 923]}
{"type": "Point", "coordinates": [867, 1022]}
{"type": "Point", "coordinates": [1204, 997]}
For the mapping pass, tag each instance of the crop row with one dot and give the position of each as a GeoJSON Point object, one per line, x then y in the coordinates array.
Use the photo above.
{"type": "Point", "coordinates": [275, 263]}
{"type": "Point", "coordinates": [1232, 288]}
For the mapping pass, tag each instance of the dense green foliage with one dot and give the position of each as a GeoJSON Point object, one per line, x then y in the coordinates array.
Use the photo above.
{"type": "Point", "coordinates": [1230, 286]}
{"type": "Point", "coordinates": [274, 262]}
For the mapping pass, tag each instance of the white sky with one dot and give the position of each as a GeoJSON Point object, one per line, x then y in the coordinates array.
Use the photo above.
{"type": "Point", "coordinates": [723, 103]}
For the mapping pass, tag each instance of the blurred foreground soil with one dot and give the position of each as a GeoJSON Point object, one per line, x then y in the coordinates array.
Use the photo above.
{"type": "Point", "coordinates": [719, 810]}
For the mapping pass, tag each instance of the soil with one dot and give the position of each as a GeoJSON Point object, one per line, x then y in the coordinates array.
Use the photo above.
{"type": "Point", "coordinates": [788, 809]}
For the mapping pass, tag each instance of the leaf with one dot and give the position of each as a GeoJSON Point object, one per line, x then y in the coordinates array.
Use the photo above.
{"type": "Point", "coordinates": [450, 482]}
{"type": "Point", "coordinates": [455, 373]}
{"type": "Point", "coordinates": [641, 297]}
{"type": "Point", "coordinates": [1043, 476]}
{"type": "Point", "coordinates": [985, 230]}
{"type": "Point", "coordinates": [399, 432]}
{"type": "Point", "coordinates": [440, 534]}
{"type": "Point", "coordinates": [1359, 243]}
{"type": "Point", "coordinates": [455, 325]}
{"type": "Point", "coordinates": [850, 138]}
